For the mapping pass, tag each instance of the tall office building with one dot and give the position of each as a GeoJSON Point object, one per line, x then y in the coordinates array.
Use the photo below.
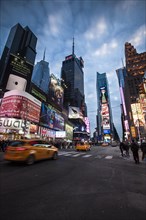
{"type": "Point", "coordinates": [135, 68]}
{"type": "Point", "coordinates": [104, 114]}
{"type": "Point", "coordinates": [73, 77]}
{"type": "Point", "coordinates": [41, 75]}
{"type": "Point", "coordinates": [18, 58]}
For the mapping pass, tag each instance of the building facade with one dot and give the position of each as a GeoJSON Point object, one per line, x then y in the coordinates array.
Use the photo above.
{"type": "Point", "coordinates": [136, 68]}
{"type": "Point", "coordinates": [18, 57]}
{"type": "Point", "coordinates": [104, 114]}
{"type": "Point", "coordinates": [125, 105]}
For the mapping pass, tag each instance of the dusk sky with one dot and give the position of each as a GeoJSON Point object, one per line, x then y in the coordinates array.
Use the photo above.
{"type": "Point", "coordinates": [100, 29]}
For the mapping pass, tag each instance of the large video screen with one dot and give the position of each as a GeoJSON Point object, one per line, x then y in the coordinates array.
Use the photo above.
{"type": "Point", "coordinates": [19, 104]}
{"type": "Point", "coordinates": [56, 92]}
{"type": "Point", "coordinates": [50, 118]}
{"type": "Point", "coordinates": [103, 95]}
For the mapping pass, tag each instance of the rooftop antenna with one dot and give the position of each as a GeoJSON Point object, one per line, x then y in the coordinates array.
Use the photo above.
{"type": "Point", "coordinates": [73, 47]}
{"type": "Point", "coordinates": [44, 54]}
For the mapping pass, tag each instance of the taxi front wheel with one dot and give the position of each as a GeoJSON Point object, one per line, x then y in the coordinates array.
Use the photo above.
{"type": "Point", "coordinates": [30, 160]}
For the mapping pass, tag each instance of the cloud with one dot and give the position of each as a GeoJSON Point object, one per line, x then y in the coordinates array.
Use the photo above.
{"type": "Point", "coordinates": [139, 36]}
{"type": "Point", "coordinates": [98, 29]}
{"type": "Point", "coordinates": [106, 48]}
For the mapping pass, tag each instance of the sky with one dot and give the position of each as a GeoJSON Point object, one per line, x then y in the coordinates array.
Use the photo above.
{"type": "Point", "coordinates": [100, 28]}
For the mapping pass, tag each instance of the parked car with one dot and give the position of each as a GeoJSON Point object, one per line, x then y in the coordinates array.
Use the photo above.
{"type": "Point", "coordinates": [83, 146]}
{"type": "Point", "coordinates": [29, 151]}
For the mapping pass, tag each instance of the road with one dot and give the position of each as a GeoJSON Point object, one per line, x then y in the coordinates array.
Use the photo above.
{"type": "Point", "coordinates": [94, 185]}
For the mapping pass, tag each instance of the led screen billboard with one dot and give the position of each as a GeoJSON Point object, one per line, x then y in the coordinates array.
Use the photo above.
{"type": "Point", "coordinates": [50, 118]}
{"type": "Point", "coordinates": [56, 92]}
{"type": "Point", "coordinates": [87, 122]}
{"type": "Point", "coordinates": [18, 73]}
{"type": "Point", "coordinates": [104, 108]}
{"type": "Point", "coordinates": [19, 104]}
{"type": "Point", "coordinates": [74, 112]}
{"type": "Point", "coordinates": [103, 95]}
{"type": "Point", "coordinates": [138, 116]}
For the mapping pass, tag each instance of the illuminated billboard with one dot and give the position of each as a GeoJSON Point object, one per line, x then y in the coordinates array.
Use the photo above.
{"type": "Point", "coordinates": [104, 109]}
{"type": "Point", "coordinates": [18, 73]}
{"type": "Point", "coordinates": [74, 112]}
{"type": "Point", "coordinates": [19, 104]}
{"type": "Point", "coordinates": [87, 122]}
{"type": "Point", "coordinates": [56, 92]}
{"type": "Point", "coordinates": [69, 131]}
{"type": "Point", "coordinates": [60, 134]}
{"type": "Point", "coordinates": [138, 116]}
{"type": "Point", "coordinates": [50, 118]}
{"type": "Point", "coordinates": [103, 95]}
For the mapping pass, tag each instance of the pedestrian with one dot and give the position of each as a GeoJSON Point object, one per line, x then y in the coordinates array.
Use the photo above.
{"type": "Point", "coordinates": [143, 149]}
{"type": "Point", "coordinates": [121, 148]}
{"type": "Point", "coordinates": [126, 148]}
{"type": "Point", "coordinates": [135, 149]}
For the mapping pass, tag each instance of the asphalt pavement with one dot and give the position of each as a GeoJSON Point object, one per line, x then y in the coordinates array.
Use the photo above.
{"type": "Point", "coordinates": [94, 185]}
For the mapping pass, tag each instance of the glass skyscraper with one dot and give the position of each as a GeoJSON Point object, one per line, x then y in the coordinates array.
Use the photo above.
{"type": "Point", "coordinates": [72, 76]}
{"type": "Point", "coordinates": [41, 75]}
{"type": "Point", "coordinates": [18, 58]}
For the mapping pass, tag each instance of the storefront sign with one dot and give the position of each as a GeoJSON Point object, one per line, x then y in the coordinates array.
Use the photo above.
{"type": "Point", "coordinates": [14, 124]}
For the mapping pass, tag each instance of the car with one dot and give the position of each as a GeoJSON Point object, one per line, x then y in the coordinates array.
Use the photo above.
{"type": "Point", "coordinates": [105, 144]}
{"type": "Point", "coordinates": [83, 146]}
{"type": "Point", "coordinates": [29, 151]}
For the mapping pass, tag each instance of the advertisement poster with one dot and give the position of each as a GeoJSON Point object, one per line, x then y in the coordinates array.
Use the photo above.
{"type": "Point", "coordinates": [19, 104]}
{"type": "Point", "coordinates": [103, 95]}
{"type": "Point", "coordinates": [74, 112]}
{"type": "Point", "coordinates": [50, 118]}
{"type": "Point", "coordinates": [56, 92]}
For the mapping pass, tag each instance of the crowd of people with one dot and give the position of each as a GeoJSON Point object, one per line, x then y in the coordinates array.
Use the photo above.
{"type": "Point", "coordinates": [135, 147]}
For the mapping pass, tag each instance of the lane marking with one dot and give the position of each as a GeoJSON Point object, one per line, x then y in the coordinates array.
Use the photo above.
{"type": "Point", "coordinates": [108, 157]}
{"type": "Point", "coordinates": [75, 155]}
{"type": "Point", "coordinates": [89, 155]}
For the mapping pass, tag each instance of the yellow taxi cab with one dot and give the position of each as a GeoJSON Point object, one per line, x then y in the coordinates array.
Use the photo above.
{"type": "Point", "coordinates": [105, 144]}
{"type": "Point", "coordinates": [83, 146]}
{"type": "Point", "coordinates": [29, 151]}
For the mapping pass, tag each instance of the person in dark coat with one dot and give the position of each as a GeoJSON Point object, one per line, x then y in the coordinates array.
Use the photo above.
{"type": "Point", "coordinates": [121, 148]}
{"type": "Point", "coordinates": [135, 149]}
{"type": "Point", "coordinates": [143, 149]}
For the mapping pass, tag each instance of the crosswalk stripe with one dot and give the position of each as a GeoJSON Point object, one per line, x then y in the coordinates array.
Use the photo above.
{"type": "Point", "coordinates": [108, 157]}
{"type": "Point", "coordinates": [89, 155]}
{"type": "Point", "coordinates": [76, 155]}
{"type": "Point", "coordinates": [83, 155]}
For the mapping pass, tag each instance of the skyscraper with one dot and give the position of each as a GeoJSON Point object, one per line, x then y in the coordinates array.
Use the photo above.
{"type": "Point", "coordinates": [136, 67]}
{"type": "Point", "coordinates": [104, 114]}
{"type": "Point", "coordinates": [73, 77]}
{"type": "Point", "coordinates": [18, 58]}
{"type": "Point", "coordinates": [41, 75]}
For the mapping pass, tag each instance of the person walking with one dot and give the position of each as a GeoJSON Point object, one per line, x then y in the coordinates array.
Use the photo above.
{"type": "Point", "coordinates": [135, 149]}
{"type": "Point", "coordinates": [143, 149]}
{"type": "Point", "coordinates": [121, 148]}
